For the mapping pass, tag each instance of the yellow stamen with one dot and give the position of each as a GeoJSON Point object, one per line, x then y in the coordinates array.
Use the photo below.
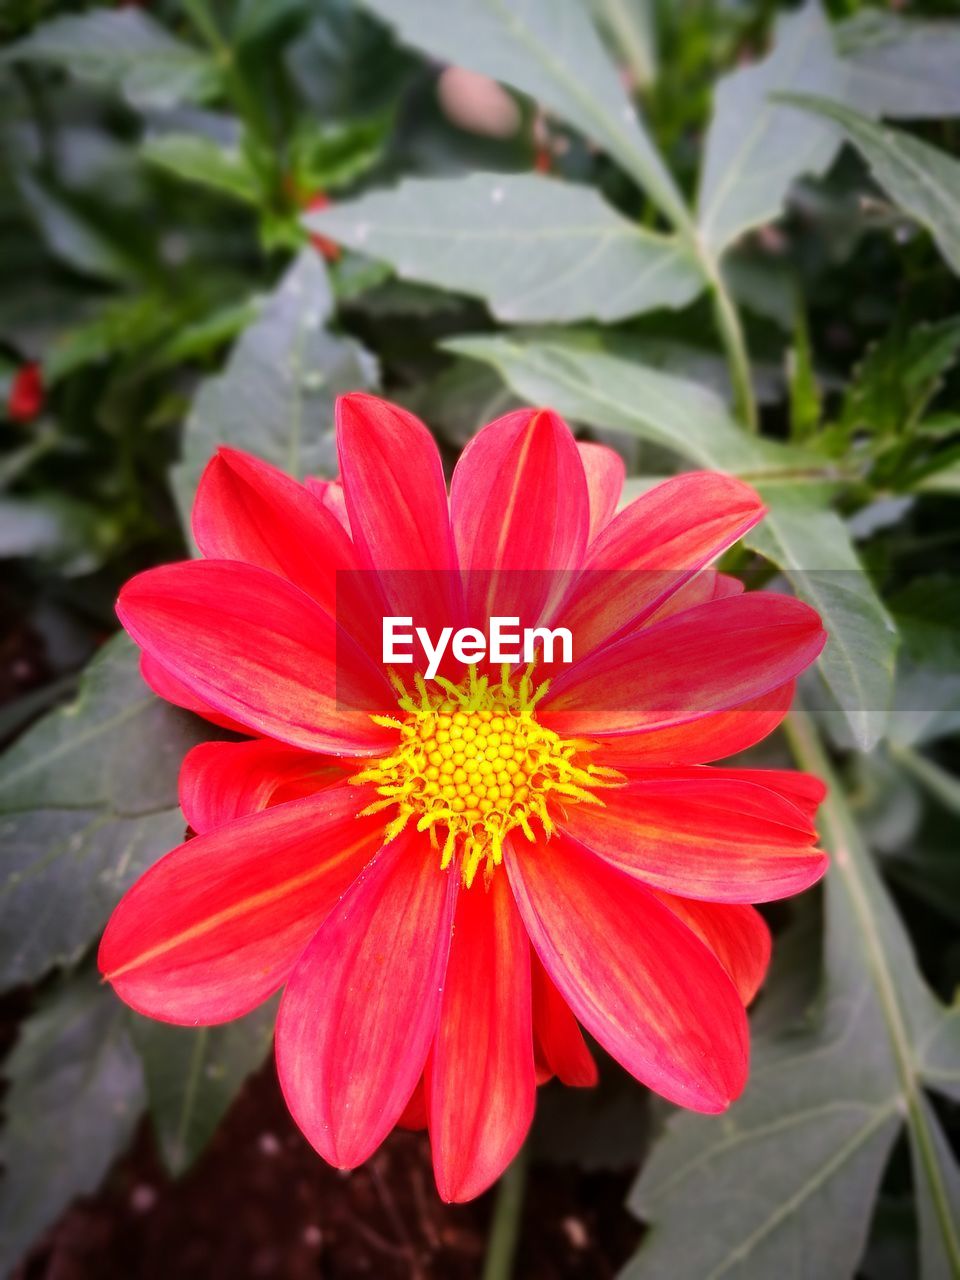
{"type": "Point", "coordinates": [474, 758]}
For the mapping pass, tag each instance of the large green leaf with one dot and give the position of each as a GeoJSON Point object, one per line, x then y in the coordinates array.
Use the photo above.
{"type": "Point", "coordinates": [72, 236]}
{"type": "Point", "coordinates": [787, 1179]}
{"type": "Point", "coordinates": [922, 180]}
{"type": "Point", "coordinates": [88, 800]}
{"type": "Point", "coordinates": [813, 548]}
{"type": "Point", "coordinates": [590, 386]}
{"type": "Point", "coordinates": [550, 50]}
{"type": "Point", "coordinates": [800, 533]}
{"type": "Point", "coordinates": [534, 248]}
{"type": "Point", "coordinates": [755, 149]}
{"type": "Point", "coordinates": [202, 161]}
{"type": "Point", "coordinates": [275, 397]}
{"type": "Point", "coordinates": [76, 1093]}
{"type": "Point", "coordinates": [902, 67]}
{"type": "Point", "coordinates": [630, 28]}
{"type": "Point", "coordinates": [124, 49]}
{"type": "Point", "coordinates": [194, 1073]}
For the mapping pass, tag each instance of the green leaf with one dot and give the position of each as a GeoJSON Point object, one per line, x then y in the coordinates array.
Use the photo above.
{"type": "Point", "coordinates": [601, 390]}
{"type": "Point", "coordinates": [549, 50]}
{"type": "Point", "coordinates": [923, 181]}
{"type": "Point", "coordinates": [927, 701]}
{"type": "Point", "coordinates": [76, 1093]}
{"type": "Point", "coordinates": [630, 27]}
{"type": "Point", "coordinates": [460, 400]}
{"type": "Point", "coordinates": [88, 801]}
{"type": "Point", "coordinates": [275, 396]}
{"type": "Point", "coordinates": [536, 249]}
{"type": "Point", "coordinates": [124, 49]}
{"type": "Point", "coordinates": [898, 378]}
{"type": "Point", "coordinates": [56, 530]}
{"type": "Point", "coordinates": [200, 160]}
{"type": "Point", "coordinates": [813, 548]}
{"type": "Point", "coordinates": [800, 1156]}
{"type": "Point", "coordinates": [325, 156]}
{"type": "Point", "coordinates": [71, 235]}
{"type": "Point", "coordinates": [193, 1075]}
{"type": "Point", "coordinates": [755, 149]}
{"type": "Point", "coordinates": [115, 326]}
{"type": "Point", "coordinates": [800, 533]}
{"type": "Point", "coordinates": [902, 67]}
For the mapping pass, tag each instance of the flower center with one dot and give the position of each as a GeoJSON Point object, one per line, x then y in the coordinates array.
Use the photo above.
{"type": "Point", "coordinates": [474, 764]}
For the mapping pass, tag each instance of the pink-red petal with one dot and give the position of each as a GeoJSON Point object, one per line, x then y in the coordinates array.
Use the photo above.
{"type": "Point", "coordinates": [699, 741]}
{"type": "Point", "coordinates": [704, 836]}
{"type": "Point", "coordinates": [215, 927]}
{"type": "Point", "coordinates": [605, 473]}
{"type": "Point", "coordinates": [705, 660]}
{"type": "Point", "coordinates": [737, 935]}
{"type": "Point", "coordinates": [360, 1010]}
{"type": "Point", "coordinates": [247, 510]}
{"type": "Point", "coordinates": [480, 1077]}
{"type": "Point", "coordinates": [639, 980]}
{"type": "Point", "coordinates": [253, 646]}
{"type": "Point", "coordinates": [703, 587]}
{"type": "Point", "coordinates": [330, 493]}
{"type": "Point", "coordinates": [559, 1040]}
{"type": "Point", "coordinates": [652, 548]}
{"type": "Point", "coordinates": [168, 687]}
{"type": "Point", "coordinates": [521, 515]}
{"type": "Point", "coordinates": [396, 500]}
{"type": "Point", "coordinates": [221, 781]}
{"type": "Point", "coordinates": [414, 1114]}
{"type": "Point", "coordinates": [802, 789]}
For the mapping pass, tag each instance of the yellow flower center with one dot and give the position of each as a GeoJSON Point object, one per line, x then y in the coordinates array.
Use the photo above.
{"type": "Point", "coordinates": [474, 764]}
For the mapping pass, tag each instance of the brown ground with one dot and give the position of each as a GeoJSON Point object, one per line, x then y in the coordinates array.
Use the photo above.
{"type": "Point", "coordinates": [261, 1203]}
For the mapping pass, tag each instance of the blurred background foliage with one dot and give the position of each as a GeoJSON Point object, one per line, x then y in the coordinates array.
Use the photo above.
{"type": "Point", "coordinates": [710, 234]}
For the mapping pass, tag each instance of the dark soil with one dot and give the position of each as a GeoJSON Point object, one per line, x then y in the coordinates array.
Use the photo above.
{"type": "Point", "coordinates": [261, 1203]}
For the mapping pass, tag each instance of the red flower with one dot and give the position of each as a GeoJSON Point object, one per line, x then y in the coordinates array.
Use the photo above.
{"type": "Point", "coordinates": [328, 248]}
{"type": "Point", "coordinates": [26, 397]}
{"type": "Point", "coordinates": [543, 160]}
{"type": "Point", "coordinates": [448, 875]}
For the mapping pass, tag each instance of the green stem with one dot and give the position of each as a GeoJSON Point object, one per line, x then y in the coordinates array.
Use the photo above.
{"type": "Point", "coordinates": [505, 1227]}
{"type": "Point", "coordinates": [727, 319]}
{"type": "Point", "coordinates": [853, 872]}
{"type": "Point", "coordinates": [734, 344]}
{"type": "Point", "coordinates": [943, 786]}
{"type": "Point", "coordinates": [627, 23]}
{"type": "Point", "coordinates": [246, 103]}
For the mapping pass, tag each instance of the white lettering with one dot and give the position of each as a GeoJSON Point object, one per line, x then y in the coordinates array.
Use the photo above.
{"type": "Point", "coordinates": [391, 638]}
{"type": "Point", "coordinates": [471, 645]}
{"type": "Point", "coordinates": [434, 652]}
{"type": "Point", "coordinates": [498, 638]}
{"type": "Point", "coordinates": [532, 634]}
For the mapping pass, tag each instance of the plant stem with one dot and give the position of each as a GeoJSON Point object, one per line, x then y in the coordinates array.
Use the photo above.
{"type": "Point", "coordinates": [943, 786]}
{"type": "Point", "coordinates": [856, 877]}
{"type": "Point", "coordinates": [505, 1227]}
{"type": "Point", "coordinates": [731, 335]}
{"type": "Point", "coordinates": [727, 319]}
{"type": "Point", "coordinates": [628, 24]}
{"type": "Point", "coordinates": [245, 102]}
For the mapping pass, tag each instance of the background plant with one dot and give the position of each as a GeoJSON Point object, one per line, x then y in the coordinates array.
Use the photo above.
{"type": "Point", "coordinates": [721, 236]}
